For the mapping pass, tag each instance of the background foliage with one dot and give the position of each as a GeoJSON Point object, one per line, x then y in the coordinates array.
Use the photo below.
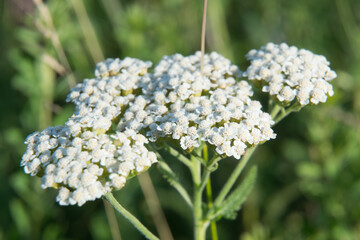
{"type": "Point", "coordinates": [308, 183]}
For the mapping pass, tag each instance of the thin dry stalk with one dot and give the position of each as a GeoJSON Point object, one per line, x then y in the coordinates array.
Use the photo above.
{"type": "Point", "coordinates": [153, 203]}
{"type": "Point", "coordinates": [49, 31]}
{"type": "Point", "coordinates": [203, 33]}
{"type": "Point", "coordinates": [114, 227]}
{"type": "Point", "coordinates": [88, 31]}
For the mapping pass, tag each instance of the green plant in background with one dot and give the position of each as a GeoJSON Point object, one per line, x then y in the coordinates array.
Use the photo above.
{"type": "Point", "coordinates": [297, 178]}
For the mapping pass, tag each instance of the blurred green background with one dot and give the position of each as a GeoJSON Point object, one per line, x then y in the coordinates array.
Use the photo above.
{"type": "Point", "coordinates": [308, 184]}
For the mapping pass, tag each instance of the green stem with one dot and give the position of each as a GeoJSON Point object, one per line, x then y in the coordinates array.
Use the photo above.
{"type": "Point", "coordinates": [279, 112]}
{"type": "Point", "coordinates": [276, 109]}
{"type": "Point", "coordinates": [234, 176]}
{"type": "Point", "coordinates": [213, 161]}
{"type": "Point", "coordinates": [199, 225]}
{"type": "Point", "coordinates": [285, 112]}
{"type": "Point", "coordinates": [213, 227]}
{"type": "Point", "coordinates": [209, 165]}
{"type": "Point", "coordinates": [205, 153]}
{"type": "Point", "coordinates": [172, 178]}
{"type": "Point", "coordinates": [131, 218]}
{"type": "Point", "coordinates": [204, 179]}
{"type": "Point", "coordinates": [214, 235]}
{"type": "Point", "coordinates": [174, 181]}
{"type": "Point", "coordinates": [179, 156]}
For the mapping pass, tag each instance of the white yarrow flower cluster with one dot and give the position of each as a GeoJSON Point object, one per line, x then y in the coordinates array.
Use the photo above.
{"type": "Point", "coordinates": [289, 73]}
{"type": "Point", "coordinates": [188, 106]}
{"type": "Point", "coordinates": [85, 159]}
{"type": "Point", "coordinates": [86, 166]}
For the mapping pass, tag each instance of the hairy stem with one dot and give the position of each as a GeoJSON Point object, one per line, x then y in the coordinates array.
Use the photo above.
{"type": "Point", "coordinates": [213, 227]}
{"type": "Point", "coordinates": [172, 178]}
{"type": "Point", "coordinates": [275, 110]}
{"type": "Point", "coordinates": [199, 226]}
{"type": "Point", "coordinates": [285, 112]}
{"type": "Point", "coordinates": [131, 218]}
{"type": "Point", "coordinates": [179, 156]}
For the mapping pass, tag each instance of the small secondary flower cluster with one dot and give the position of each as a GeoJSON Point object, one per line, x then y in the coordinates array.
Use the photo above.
{"type": "Point", "coordinates": [124, 107]}
{"type": "Point", "coordinates": [288, 73]}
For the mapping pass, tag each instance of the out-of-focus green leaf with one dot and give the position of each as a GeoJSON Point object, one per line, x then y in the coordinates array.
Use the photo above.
{"type": "Point", "coordinates": [30, 40]}
{"type": "Point", "coordinates": [258, 232]}
{"type": "Point", "coordinates": [294, 150]}
{"type": "Point", "coordinates": [63, 115]}
{"type": "Point", "coordinates": [25, 80]}
{"type": "Point", "coordinates": [100, 227]}
{"type": "Point", "coordinates": [309, 170]}
{"type": "Point", "coordinates": [14, 136]}
{"type": "Point", "coordinates": [20, 217]}
{"type": "Point", "coordinates": [51, 232]}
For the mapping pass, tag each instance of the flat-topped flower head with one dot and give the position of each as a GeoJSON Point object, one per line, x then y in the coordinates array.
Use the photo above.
{"type": "Point", "coordinates": [86, 158]}
{"type": "Point", "coordinates": [291, 74]}
{"type": "Point", "coordinates": [87, 166]}
{"type": "Point", "coordinates": [99, 100]}
{"type": "Point", "coordinates": [189, 106]}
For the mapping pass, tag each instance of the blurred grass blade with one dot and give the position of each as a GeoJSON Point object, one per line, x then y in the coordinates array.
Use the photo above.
{"type": "Point", "coordinates": [153, 203]}
{"type": "Point", "coordinates": [113, 223]}
{"type": "Point", "coordinates": [88, 31]}
{"type": "Point", "coordinates": [21, 217]}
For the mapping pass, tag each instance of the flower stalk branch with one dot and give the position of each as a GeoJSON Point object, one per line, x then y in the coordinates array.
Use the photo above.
{"type": "Point", "coordinates": [199, 226]}
{"type": "Point", "coordinates": [131, 218]}
{"type": "Point", "coordinates": [214, 235]}
{"type": "Point", "coordinates": [285, 112]}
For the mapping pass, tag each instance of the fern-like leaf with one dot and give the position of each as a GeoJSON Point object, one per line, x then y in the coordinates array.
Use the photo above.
{"type": "Point", "coordinates": [234, 201]}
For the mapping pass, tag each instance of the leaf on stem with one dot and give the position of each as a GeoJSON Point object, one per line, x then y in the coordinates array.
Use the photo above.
{"type": "Point", "coordinates": [228, 209]}
{"type": "Point", "coordinates": [168, 174]}
{"type": "Point", "coordinates": [173, 180]}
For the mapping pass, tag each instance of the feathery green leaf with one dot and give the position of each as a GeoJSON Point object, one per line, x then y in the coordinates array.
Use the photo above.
{"type": "Point", "coordinates": [234, 201]}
